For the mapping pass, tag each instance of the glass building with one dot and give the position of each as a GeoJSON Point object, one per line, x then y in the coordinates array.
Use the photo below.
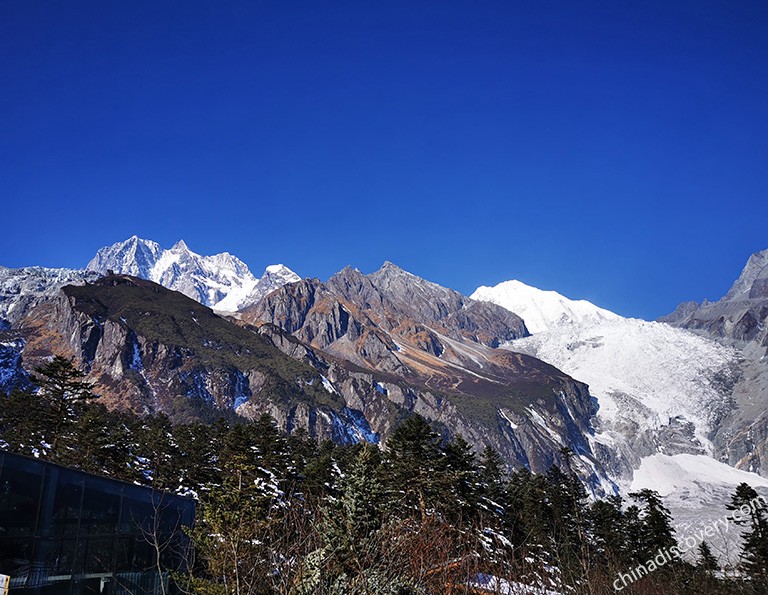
{"type": "Point", "coordinates": [65, 531]}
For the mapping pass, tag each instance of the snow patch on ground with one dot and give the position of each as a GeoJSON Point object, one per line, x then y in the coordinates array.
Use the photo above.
{"type": "Point", "coordinates": [328, 386]}
{"type": "Point", "coordinates": [695, 474]}
{"type": "Point", "coordinates": [696, 489]}
{"type": "Point", "coordinates": [500, 586]}
{"type": "Point", "coordinates": [512, 424]}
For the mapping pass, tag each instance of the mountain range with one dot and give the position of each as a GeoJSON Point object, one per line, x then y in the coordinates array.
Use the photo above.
{"type": "Point", "coordinates": [222, 281]}
{"type": "Point", "coordinates": [531, 373]}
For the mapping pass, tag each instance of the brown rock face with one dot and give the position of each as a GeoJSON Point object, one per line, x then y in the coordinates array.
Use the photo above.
{"type": "Point", "coordinates": [395, 337]}
{"type": "Point", "coordinates": [344, 360]}
{"type": "Point", "coordinates": [364, 318]}
{"type": "Point", "coordinates": [149, 349]}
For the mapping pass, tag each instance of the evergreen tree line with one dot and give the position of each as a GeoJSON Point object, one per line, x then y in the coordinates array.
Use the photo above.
{"type": "Point", "coordinates": [286, 514]}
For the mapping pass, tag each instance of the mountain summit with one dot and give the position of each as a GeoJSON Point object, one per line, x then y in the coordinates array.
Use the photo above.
{"type": "Point", "coordinates": [738, 318]}
{"type": "Point", "coordinates": [659, 389]}
{"type": "Point", "coordinates": [541, 310]}
{"type": "Point", "coordinates": [221, 281]}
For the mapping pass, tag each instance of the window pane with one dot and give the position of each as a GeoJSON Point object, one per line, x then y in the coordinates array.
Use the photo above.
{"type": "Point", "coordinates": [66, 504]}
{"type": "Point", "coordinates": [100, 511]}
{"type": "Point", "coordinates": [19, 501]}
{"type": "Point", "coordinates": [137, 516]}
{"type": "Point", "coordinates": [98, 555]}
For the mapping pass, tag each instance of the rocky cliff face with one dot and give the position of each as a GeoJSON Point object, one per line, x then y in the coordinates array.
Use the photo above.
{"type": "Point", "coordinates": [149, 349]}
{"type": "Point", "coordinates": [344, 360]}
{"type": "Point", "coordinates": [740, 319]}
{"type": "Point", "coordinates": [393, 337]}
{"type": "Point", "coordinates": [368, 319]}
{"type": "Point", "coordinates": [13, 376]}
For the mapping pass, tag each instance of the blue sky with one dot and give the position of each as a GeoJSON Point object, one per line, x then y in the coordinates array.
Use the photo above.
{"type": "Point", "coordinates": [613, 151]}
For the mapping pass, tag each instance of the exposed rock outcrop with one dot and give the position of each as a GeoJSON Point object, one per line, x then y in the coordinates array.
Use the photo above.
{"type": "Point", "coordinates": [740, 319]}
{"type": "Point", "coordinates": [393, 337]}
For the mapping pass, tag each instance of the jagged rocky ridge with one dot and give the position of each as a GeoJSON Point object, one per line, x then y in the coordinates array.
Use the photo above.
{"type": "Point", "coordinates": [151, 349]}
{"type": "Point", "coordinates": [23, 289]}
{"type": "Point", "coordinates": [384, 344]}
{"type": "Point", "coordinates": [739, 317]}
{"type": "Point", "coordinates": [436, 352]}
{"type": "Point", "coordinates": [739, 320]}
{"type": "Point", "coordinates": [221, 281]}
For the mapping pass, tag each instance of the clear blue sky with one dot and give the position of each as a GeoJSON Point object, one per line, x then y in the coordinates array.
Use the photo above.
{"type": "Point", "coordinates": [613, 151]}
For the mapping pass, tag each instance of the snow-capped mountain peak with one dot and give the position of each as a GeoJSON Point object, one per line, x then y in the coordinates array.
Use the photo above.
{"type": "Point", "coordinates": [274, 277]}
{"type": "Point", "coordinates": [278, 269]}
{"type": "Point", "coordinates": [659, 389]}
{"type": "Point", "coordinates": [541, 310]}
{"type": "Point", "coordinates": [134, 256]}
{"type": "Point", "coordinates": [180, 246]}
{"type": "Point", "coordinates": [221, 281]}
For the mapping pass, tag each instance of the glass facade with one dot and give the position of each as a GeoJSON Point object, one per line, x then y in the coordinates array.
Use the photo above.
{"type": "Point", "coordinates": [65, 531]}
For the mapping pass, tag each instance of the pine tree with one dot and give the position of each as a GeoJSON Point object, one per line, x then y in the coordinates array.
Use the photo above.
{"type": "Point", "coordinates": [656, 531]}
{"type": "Point", "coordinates": [415, 477]}
{"type": "Point", "coordinates": [198, 448]}
{"type": "Point", "coordinates": [566, 498]}
{"type": "Point", "coordinates": [158, 459]}
{"type": "Point", "coordinates": [232, 526]}
{"type": "Point", "coordinates": [101, 442]}
{"type": "Point", "coordinates": [492, 493]}
{"type": "Point", "coordinates": [62, 390]}
{"type": "Point", "coordinates": [707, 560]}
{"type": "Point", "coordinates": [462, 480]}
{"type": "Point", "coordinates": [608, 529]}
{"type": "Point", "coordinates": [22, 423]}
{"type": "Point", "coordinates": [350, 525]}
{"type": "Point", "coordinates": [754, 551]}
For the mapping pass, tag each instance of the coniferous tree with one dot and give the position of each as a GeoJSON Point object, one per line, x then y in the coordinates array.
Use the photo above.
{"type": "Point", "coordinates": [22, 423]}
{"type": "Point", "coordinates": [415, 479]}
{"type": "Point", "coordinates": [525, 517]}
{"type": "Point", "coordinates": [707, 560]}
{"type": "Point", "coordinates": [566, 496]}
{"type": "Point", "coordinates": [158, 459]}
{"type": "Point", "coordinates": [349, 528]}
{"type": "Point", "coordinates": [101, 442]}
{"type": "Point", "coordinates": [62, 390]}
{"type": "Point", "coordinates": [232, 526]}
{"type": "Point", "coordinates": [608, 529]}
{"type": "Point", "coordinates": [320, 475]}
{"type": "Point", "coordinates": [492, 479]}
{"type": "Point", "coordinates": [462, 481]}
{"type": "Point", "coordinates": [752, 513]}
{"type": "Point", "coordinates": [656, 532]}
{"type": "Point", "coordinates": [198, 448]}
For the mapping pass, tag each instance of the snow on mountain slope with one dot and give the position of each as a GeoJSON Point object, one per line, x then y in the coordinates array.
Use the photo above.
{"type": "Point", "coordinates": [541, 310]}
{"type": "Point", "coordinates": [686, 474]}
{"type": "Point", "coordinates": [221, 281]}
{"type": "Point", "coordinates": [24, 288]}
{"type": "Point", "coordinates": [696, 490]}
{"type": "Point", "coordinates": [274, 277]}
{"type": "Point", "coordinates": [644, 372]}
{"type": "Point", "coordinates": [659, 389]}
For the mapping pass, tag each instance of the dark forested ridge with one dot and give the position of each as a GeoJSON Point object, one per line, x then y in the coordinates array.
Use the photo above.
{"type": "Point", "coordinates": [286, 514]}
